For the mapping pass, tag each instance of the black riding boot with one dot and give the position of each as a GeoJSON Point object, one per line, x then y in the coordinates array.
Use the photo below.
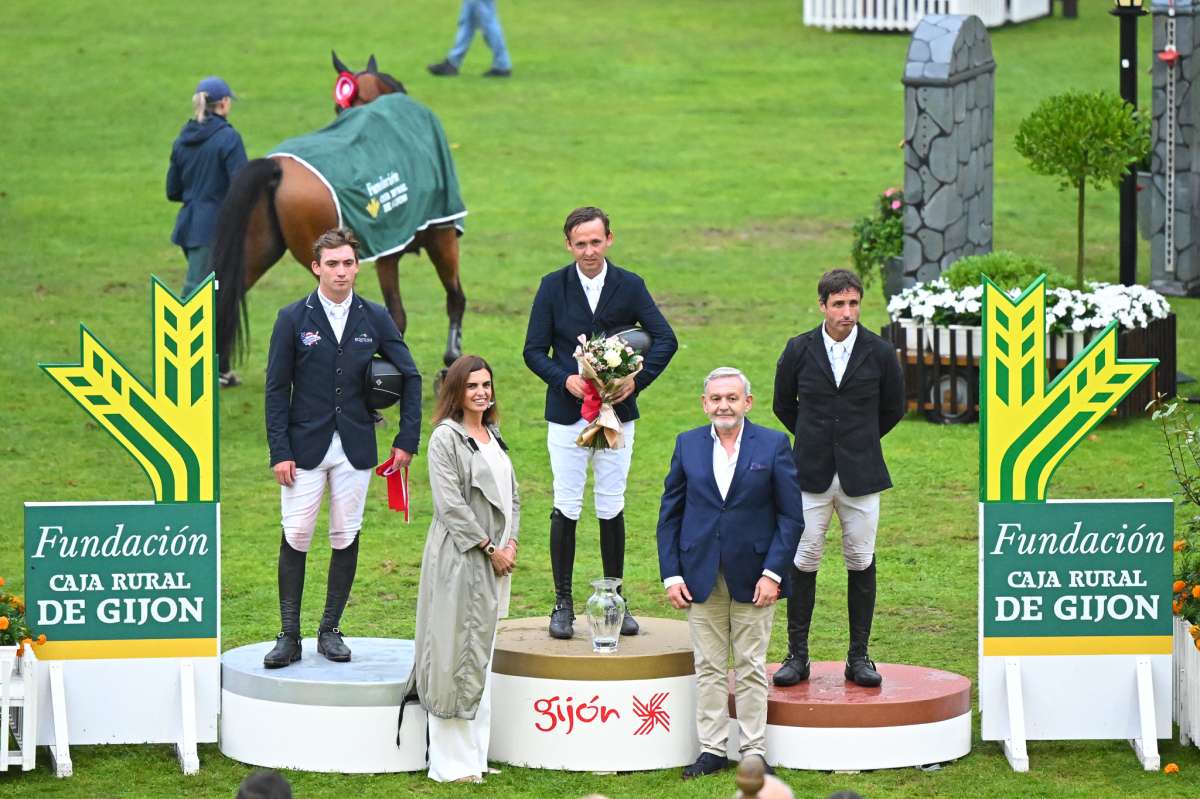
{"type": "Point", "coordinates": [342, 565]}
{"type": "Point", "coordinates": [287, 648]}
{"type": "Point", "coordinates": [796, 665]}
{"type": "Point", "coordinates": [860, 601]}
{"type": "Point", "coordinates": [562, 563]}
{"type": "Point", "coordinates": [612, 557]}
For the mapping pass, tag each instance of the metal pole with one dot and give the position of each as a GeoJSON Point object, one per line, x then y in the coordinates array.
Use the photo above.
{"type": "Point", "coordinates": [1128, 219]}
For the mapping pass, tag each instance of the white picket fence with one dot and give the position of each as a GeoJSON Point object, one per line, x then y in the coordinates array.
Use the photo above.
{"type": "Point", "coordinates": [18, 709]}
{"type": "Point", "coordinates": [1187, 684]}
{"type": "Point", "coordinates": [905, 14]}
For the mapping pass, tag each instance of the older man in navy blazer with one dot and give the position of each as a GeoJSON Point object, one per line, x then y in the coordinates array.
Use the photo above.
{"type": "Point", "coordinates": [321, 432]}
{"type": "Point", "coordinates": [730, 520]}
{"type": "Point", "coordinates": [588, 296]}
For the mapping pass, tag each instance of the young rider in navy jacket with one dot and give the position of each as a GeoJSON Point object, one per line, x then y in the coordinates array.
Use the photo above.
{"type": "Point", "coordinates": [320, 431]}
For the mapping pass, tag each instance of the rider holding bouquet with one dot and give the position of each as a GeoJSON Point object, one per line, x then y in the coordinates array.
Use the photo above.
{"type": "Point", "coordinates": [587, 298]}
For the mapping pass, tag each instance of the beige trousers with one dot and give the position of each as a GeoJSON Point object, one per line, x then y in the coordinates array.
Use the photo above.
{"type": "Point", "coordinates": [717, 625]}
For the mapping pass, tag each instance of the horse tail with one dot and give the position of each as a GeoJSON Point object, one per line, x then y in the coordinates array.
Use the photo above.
{"type": "Point", "coordinates": [254, 182]}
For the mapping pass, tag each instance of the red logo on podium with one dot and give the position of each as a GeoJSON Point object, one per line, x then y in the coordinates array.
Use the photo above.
{"type": "Point", "coordinates": [651, 714]}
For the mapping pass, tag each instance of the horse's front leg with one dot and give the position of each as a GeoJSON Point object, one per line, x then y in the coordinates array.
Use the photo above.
{"type": "Point", "coordinates": [388, 269]}
{"type": "Point", "coordinates": [442, 246]}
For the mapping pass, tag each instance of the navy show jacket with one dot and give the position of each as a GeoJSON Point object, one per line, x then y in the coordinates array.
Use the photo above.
{"type": "Point", "coordinates": [561, 313]}
{"type": "Point", "coordinates": [756, 526]}
{"type": "Point", "coordinates": [315, 384]}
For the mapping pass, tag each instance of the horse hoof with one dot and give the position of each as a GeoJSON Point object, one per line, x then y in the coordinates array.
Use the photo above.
{"type": "Point", "coordinates": [229, 380]}
{"type": "Point", "coordinates": [437, 382]}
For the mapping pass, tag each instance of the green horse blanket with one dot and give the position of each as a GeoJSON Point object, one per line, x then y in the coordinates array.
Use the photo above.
{"type": "Point", "coordinates": [389, 169]}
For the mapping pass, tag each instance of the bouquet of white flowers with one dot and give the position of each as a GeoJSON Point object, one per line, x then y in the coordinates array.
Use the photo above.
{"type": "Point", "coordinates": [607, 363]}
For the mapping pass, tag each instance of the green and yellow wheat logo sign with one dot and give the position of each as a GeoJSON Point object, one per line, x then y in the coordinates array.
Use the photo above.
{"type": "Point", "coordinates": [170, 426]}
{"type": "Point", "coordinates": [1027, 426]}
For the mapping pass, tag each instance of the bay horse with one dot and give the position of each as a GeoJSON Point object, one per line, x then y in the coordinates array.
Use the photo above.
{"type": "Point", "coordinates": [275, 205]}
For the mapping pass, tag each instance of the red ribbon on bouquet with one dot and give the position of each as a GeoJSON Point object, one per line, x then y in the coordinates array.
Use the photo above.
{"type": "Point", "coordinates": [591, 401]}
{"type": "Point", "coordinates": [397, 486]}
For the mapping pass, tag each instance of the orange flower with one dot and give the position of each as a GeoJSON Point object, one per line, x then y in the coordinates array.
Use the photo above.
{"type": "Point", "coordinates": [1171, 768]}
{"type": "Point", "coordinates": [1179, 586]}
{"type": "Point", "coordinates": [20, 604]}
{"type": "Point", "coordinates": [1197, 643]}
{"type": "Point", "coordinates": [1, 581]}
{"type": "Point", "coordinates": [3, 622]}
{"type": "Point", "coordinates": [1180, 545]}
{"type": "Point", "coordinates": [1177, 606]}
{"type": "Point", "coordinates": [1196, 592]}
{"type": "Point", "coordinates": [41, 639]}
{"type": "Point", "coordinates": [1195, 631]}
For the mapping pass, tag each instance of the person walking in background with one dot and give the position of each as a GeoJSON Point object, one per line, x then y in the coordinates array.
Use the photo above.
{"type": "Point", "coordinates": [476, 14]}
{"type": "Point", "coordinates": [590, 295]}
{"type": "Point", "coordinates": [206, 155]}
{"type": "Point", "coordinates": [470, 552]}
{"type": "Point", "coordinates": [204, 158]}
{"type": "Point", "coordinates": [839, 389]}
{"type": "Point", "coordinates": [730, 519]}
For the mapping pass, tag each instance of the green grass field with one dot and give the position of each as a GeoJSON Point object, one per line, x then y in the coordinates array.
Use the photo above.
{"type": "Point", "coordinates": [732, 146]}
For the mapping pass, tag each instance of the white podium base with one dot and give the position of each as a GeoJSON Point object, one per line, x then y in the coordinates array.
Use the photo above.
{"type": "Point", "coordinates": [315, 715]}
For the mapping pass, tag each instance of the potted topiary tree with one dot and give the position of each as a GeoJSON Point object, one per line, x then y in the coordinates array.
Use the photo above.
{"type": "Point", "coordinates": [1083, 138]}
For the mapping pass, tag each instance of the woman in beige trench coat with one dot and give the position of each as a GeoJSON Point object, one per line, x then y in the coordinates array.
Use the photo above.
{"type": "Point", "coordinates": [470, 552]}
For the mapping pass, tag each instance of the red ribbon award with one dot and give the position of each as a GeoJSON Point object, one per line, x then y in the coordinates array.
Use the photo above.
{"type": "Point", "coordinates": [397, 486]}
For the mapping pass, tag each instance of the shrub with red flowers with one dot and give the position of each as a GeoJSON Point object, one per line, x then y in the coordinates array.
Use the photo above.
{"type": "Point", "coordinates": [879, 237]}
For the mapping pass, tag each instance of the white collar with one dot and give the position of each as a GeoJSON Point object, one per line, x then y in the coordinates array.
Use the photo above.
{"type": "Point", "coordinates": [848, 340]}
{"type": "Point", "coordinates": [593, 282]}
{"type": "Point", "coordinates": [327, 303]}
{"type": "Point", "coordinates": [737, 445]}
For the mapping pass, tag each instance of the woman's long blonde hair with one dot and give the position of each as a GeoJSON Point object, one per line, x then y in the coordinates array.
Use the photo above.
{"type": "Point", "coordinates": [201, 107]}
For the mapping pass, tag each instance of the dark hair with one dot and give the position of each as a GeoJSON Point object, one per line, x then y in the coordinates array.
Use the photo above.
{"type": "Point", "coordinates": [450, 395]}
{"type": "Point", "coordinates": [332, 239]}
{"type": "Point", "coordinates": [835, 281]}
{"type": "Point", "coordinates": [265, 785]}
{"type": "Point", "coordinates": [583, 215]}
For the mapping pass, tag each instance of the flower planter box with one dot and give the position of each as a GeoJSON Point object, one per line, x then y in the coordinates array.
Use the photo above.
{"type": "Point", "coordinates": [941, 364]}
{"type": "Point", "coordinates": [18, 708]}
{"type": "Point", "coordinates": [1187, 684]}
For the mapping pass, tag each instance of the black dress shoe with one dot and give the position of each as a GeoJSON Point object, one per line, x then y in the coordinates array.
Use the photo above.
{"type": "Point", "coordinates": [443, 69]}
{"type": "Point", "coordinates": [792, 671]}
{"type": "Point", "coordinates": [707, 763]}
{"type": "Point", "coordinates": [861, 671]}
{"type": "Point", "coordinates": [287, 650]}
{"type": "Point", "coordinates": [765, 765]}
{"type": "Point", "coordinates": [561, 622]}
{"type": "Point", "coordinates": [331, 645]}
{"type": "Point", "coordinates": [496, 72]}
{"type": "Point", "coordinates": [629, 625]}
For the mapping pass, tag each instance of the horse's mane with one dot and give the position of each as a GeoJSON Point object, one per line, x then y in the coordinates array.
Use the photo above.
{"type": "Point", "coordinates": [391, 82]}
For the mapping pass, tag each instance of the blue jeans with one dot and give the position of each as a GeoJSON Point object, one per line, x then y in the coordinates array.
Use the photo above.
{"type": "Point", "coordinates": [477, 14]}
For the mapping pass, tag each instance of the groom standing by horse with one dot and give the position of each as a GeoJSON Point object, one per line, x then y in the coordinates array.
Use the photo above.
{"type": "Point", "coordinates": [320, 431]}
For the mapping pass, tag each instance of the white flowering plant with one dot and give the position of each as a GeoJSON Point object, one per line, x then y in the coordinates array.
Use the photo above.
{"type": "Point", "coordinates": [607, 363]}
{"type": "Point", "coordinates": [1067, 310]}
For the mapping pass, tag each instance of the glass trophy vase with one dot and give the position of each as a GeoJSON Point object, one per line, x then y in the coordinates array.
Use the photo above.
{"type": "Point", "coordinates": [605, 612]}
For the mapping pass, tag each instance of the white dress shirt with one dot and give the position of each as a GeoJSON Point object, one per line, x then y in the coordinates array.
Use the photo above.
{"type": "Point", "coordinates": [336, 312]}
{"type": "Point", "coordinates": [592, 286]}
{"type": "Point", "coordinates": [724, 466]}
{"type": "Point", "coordinates": [839, 352]}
